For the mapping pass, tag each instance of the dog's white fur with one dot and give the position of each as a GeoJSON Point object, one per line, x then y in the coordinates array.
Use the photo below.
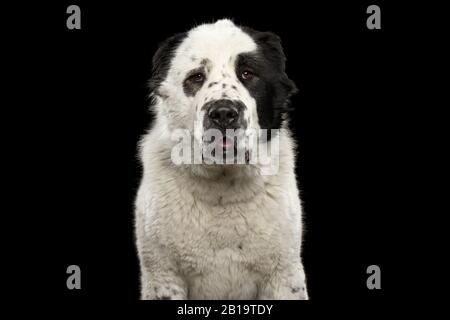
{"type": "Point", "coordinates": [215, 232]}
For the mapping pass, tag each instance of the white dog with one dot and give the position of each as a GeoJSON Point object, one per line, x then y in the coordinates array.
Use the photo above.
{"type": "Point", "coordinates": [219, 231]}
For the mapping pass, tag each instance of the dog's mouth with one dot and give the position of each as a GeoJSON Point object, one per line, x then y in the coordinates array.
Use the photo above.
{"type": "Point", "coordinates": [227, 144]}
{"type": "Point", "coordinates": [231, 151]}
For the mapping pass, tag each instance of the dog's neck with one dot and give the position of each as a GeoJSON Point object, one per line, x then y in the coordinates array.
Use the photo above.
{"type": "Point", "coordinates": [224, 183]}
{"type": "Point", "coordinates": [217, 184]}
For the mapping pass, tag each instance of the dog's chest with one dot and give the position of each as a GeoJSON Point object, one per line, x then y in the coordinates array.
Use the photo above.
{"type": "Point", "coordinates": [225, 237]}
{"type": "Point", "coordinates": [223, 248]}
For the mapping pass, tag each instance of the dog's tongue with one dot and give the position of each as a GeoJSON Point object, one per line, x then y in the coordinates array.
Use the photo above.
{"type": "Point", "coordinates": [227, 143]}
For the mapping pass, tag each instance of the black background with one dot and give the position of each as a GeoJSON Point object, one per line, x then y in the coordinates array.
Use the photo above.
{"type": "Point", "coordinates": [87, 109]}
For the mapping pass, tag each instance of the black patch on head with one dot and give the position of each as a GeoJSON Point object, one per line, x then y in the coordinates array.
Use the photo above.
{"type": "Point", "coordinates": [212, 84]}
{"type": "Point", "coordinates": [270, 86]}
{"type": "Point", "coordinates": [224, 85]}
{"type": "Point", "coordinates": [233, 87]}
{"type": "Point", "coordinates": [161, 61]}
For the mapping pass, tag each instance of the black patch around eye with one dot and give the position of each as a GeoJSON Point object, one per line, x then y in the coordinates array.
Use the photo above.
{"type": "Point", "coordinates": [193, 82]}
{"type": "Point", "coordinates": [252, 61]}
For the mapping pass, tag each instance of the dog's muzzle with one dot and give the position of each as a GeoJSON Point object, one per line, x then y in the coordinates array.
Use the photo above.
{"type": "Point", "coordinates": [224, 114]}
{"type": "Point", "coordinates": [224, 127]}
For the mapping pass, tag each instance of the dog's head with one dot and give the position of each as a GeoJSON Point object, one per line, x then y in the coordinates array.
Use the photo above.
{"type": "Point", "coordinates": [220, 76]}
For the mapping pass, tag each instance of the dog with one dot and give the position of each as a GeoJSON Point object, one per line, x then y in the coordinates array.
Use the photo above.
{"type": "Point", "coordinates": [219, 231]}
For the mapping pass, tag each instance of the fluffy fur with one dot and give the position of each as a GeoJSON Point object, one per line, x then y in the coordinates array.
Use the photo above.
{"type": "Point", "coordinates": [218, 231]}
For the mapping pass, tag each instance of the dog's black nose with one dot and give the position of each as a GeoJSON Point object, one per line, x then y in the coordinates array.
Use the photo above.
{"type": "Point", "coordinates": [223, 113]}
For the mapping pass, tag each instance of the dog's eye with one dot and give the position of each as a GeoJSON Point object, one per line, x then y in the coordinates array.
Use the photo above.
{"type": "Point", "coordinates": [246, 75]}
{"type": "Point", "coordinates": [197, 78]}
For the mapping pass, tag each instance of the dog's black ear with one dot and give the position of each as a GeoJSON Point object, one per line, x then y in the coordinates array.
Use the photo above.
{"type": "Point", "coordinates": [161, 61]}
{"type": "Point", "coordinates": [270, 43]}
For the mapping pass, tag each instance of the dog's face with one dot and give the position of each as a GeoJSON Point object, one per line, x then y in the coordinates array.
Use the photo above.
{"type": "Point", "coordinates": [221, 76]}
